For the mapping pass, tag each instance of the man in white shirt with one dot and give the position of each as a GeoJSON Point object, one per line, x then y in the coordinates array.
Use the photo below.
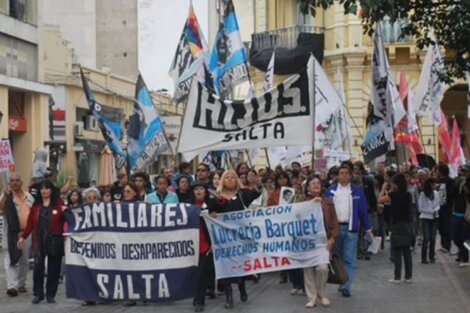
{"type": "Point", "coordinates": [351, 210]}
{"type": "Point", "coordinates": [15, 205]}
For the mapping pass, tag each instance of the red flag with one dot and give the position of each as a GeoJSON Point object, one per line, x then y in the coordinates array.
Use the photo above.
{"type": "Point", "coordinates": [444, 138]}
{"type": "Point", "coordinates": [456, 151]}
{"type": "Point", "coordinates": [403, 86]}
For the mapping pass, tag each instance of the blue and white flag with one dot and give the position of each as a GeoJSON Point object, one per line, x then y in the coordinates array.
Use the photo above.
{"type": "Point", "coordinates": [145, 133]}
{"type": "Point", "coordinates": [132, 251]}
{"type": "Point", "coordinates": [228, 59]}
{"type": "Point", "coordinates": [110, 122]}
{"type": "Point", "coordinates": [268, 239]}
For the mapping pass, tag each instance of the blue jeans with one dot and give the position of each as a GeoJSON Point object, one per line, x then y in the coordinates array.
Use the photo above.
{"type": "Point", "coordinates": [429, 238]}
{"type": "Point", "coordinates": [346, 248]}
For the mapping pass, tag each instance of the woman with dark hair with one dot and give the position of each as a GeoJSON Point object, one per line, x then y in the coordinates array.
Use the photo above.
{"type": "Point", "coordinates": [130, 192]}
{"type": "Point", "coordinates": [183, 191]}
{"type": "Point", "coordinates": [296, 277]}
{"type": "Point", "coordinates": [46, 222]}
{"type": "Point", "coordinates": [315, 278]}
{"type": "Point", "coordinates": [428, 206]}
{"type": "Point", "coordinates": [106, 195]}
{"type": "Point", "coordinates": [231, 197]}
{"type": "Point", "coordinates": [282, 179]}
{"type": "Point", "coordinates": [206, 271]}
{"type": "Point", "coordinates": [74, 198]}
{"type": "Point", "coordinates": [253, 183]}
{"type": "Point", "coordinates": [402, 238]}
{"type": "Point", "coordinates": [214, 178]}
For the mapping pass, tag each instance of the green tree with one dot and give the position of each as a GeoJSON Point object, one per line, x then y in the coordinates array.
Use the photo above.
{"type": "Point", "coordinates": [449, 21]}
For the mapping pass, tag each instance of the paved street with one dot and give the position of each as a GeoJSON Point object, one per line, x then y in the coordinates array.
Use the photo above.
{"type": "Point", "coordinates": [440, 287]}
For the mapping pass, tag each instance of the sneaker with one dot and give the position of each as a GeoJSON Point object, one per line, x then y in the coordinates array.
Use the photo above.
{"type": "Point", "coordinates": [325, 302]}
{"type": "Point", "coordinates": [444, 250]}
{"type": "Point", "coordinates": [345, 293]}
{"type": "Point", "coordinates": [310, 304]}
{"type": "Point", "coordinates": [408, 280]}
{"type": "Point", "coordinates": [463, 264]}
{"type": "Point", "coordinates": [295, 291]}
{"type": "Point", "coordinates": [394, 281]}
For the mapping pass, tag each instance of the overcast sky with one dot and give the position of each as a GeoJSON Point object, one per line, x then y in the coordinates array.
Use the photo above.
{"type": "Point", "coordinates": [160, 25]}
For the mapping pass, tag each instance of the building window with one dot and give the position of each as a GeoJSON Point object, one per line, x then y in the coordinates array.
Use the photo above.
{"type": "Point", "coordinates": [24, 10]}
{"type": "Point", "coordinates": [392, 30]}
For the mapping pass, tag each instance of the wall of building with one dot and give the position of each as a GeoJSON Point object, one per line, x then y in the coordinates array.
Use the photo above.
{"type": "Point", "coordinates": [116, 37]}
{"type": "Point", "coordinates": [77, 23]}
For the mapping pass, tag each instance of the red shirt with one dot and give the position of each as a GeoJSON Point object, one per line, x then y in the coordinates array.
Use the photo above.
{"type": "Point", "coordinates": [56, 224]}
{"type": "Point", "coordinates": [204, 243]}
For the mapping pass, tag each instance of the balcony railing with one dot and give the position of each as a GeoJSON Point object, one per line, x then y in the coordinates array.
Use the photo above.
{"type": "Point", "coordinates": [282, 37]}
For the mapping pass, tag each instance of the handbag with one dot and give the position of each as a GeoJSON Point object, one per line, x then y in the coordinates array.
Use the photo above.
{"type": "Point", "coordinates": [55, 245]}
{"type": "Point", "coordinates": [337, 273]}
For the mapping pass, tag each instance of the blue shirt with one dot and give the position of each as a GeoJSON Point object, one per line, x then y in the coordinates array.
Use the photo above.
{"type": "Point", "coordinates": [154, 197]}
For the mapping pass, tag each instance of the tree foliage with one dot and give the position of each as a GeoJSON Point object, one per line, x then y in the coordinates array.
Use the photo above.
{"type": "Point", "coordinates": [449, 21]}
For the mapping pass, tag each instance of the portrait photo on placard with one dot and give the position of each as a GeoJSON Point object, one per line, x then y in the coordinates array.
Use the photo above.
{"type": "Point", "coordinates": [286, 195]}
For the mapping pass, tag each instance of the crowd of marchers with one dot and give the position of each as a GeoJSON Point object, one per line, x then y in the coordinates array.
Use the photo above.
{"type": "Point", "coordinates": [401, 208]}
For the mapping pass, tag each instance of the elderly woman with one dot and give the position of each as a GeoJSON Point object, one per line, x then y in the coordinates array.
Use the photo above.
{"type": "Point", "coordinates": [231, 197]}
{"type": "Point", "coordinates": [315, 278]}
{"type": "Point", "coordinates": [91, 195]}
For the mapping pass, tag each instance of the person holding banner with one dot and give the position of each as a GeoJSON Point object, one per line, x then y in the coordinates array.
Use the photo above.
{"type": "Point", "coordinates": [46, 222]}
{"type": "Point", "coordinates": [283, 180]}
{"type": "Point", "coordinates": [315, 278]}
{"type": "Point", "coordinates": [351, 210]}
{"type": "Point", "coordinates": [231, 197]}
{"type": "Point", "coordinates": [206, 274]}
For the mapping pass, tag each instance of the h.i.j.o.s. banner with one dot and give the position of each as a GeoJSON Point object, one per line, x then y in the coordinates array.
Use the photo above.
{"type": "Point", "coordinates": [132, 251]}
{"type": "Point", "coordinates": [268, 239]}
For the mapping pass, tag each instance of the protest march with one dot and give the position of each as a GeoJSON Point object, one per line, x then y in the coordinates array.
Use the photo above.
{"type": "Point", "coordinates": [260, 161]}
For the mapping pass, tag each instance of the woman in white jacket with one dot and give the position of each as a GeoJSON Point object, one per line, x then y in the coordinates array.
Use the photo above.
{"type": "Point", "coordinates": [428, 206]}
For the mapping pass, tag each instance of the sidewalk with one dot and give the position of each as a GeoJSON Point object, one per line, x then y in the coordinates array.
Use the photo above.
{"type": "Point", "coordinates": [437, 288]}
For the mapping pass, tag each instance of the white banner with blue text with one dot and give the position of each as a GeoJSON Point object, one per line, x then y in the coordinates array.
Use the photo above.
{"type": "Point", "coordinates": [132, 251]}
{"type": "Point", "coordinates": [268, 239]}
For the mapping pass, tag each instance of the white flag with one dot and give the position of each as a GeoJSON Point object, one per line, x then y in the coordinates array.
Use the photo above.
{"type": "Point", "coordinates": [275, 118]}
{"type": "Point", "coordinates": [343, 119]}
{"type": "Point", "coordinates": [412, 122]}
{"type": "Point", "coordinates": [430, 90]}
{"type": "Point", "coordinates": [269, 76]}
{"type": "Point", "coordinates": [327, 104]}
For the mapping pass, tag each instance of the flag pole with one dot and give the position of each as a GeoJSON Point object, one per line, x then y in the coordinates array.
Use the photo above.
{"type": "Point", "coordinates": [313, 114]}
{"type": "Point", "coordinates": [267, 157]}
{"type": "Point", "coordinates": [249, 159]}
